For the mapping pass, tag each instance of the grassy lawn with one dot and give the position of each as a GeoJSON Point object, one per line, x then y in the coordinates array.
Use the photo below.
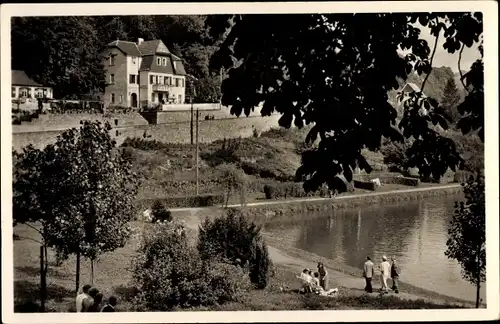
{"type": "Point", "coordinates": [113, 276]}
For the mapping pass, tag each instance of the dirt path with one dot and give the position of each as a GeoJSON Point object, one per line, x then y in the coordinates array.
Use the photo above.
{"type": "Point", "coordinates": [298, 200]}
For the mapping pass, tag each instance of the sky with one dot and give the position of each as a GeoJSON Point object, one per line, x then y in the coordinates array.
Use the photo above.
{"type": "Point", "coordinates": [443, 58]}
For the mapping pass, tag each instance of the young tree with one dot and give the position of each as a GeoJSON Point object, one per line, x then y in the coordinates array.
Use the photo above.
{"type": "Point", "coordinates": [450, 100]}
{"type": "Point", "coordinates": [233, 179]}
{"type": "Point", "coordinates": [466, 235]}
{"type": "Point", "coordinates": [80, 189]}
{"type": "Point", "coordinates": [308, 68]}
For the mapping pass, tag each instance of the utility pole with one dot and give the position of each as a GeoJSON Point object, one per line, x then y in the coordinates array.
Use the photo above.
{"type": "Point", "coordinates": [197, 152]}
{"type": "Point", "coordinates": [192, 110]}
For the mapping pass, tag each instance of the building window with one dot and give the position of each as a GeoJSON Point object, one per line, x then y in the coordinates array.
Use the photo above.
{"type": "Point", "coordinates": [160, 79]}
{"type": "Point", "coordinates": [29, 92]}
{"type": "Point", "coordinates": [164, 61]}
{"type": "Point", "coordinates": [112, 98]}
{"type": "Point", "coordinates": [133, 59]}
{"type": "Point", "coordinates": [158, 61]}
{"type": "Point", "coordinates": [13, 92]}
{"type": "Point", "coordinates": [112, 78]}
{"type": "Point", "coordinates": [111, 59]}
{"type": "Point", "coordinates": [131, 78]}
{"type": "Point", "coordinates": [176, 82]}
{"type": "Point", "coordinates": [156, 81]}
{"type": "Point", "coordinates": [151, 79]}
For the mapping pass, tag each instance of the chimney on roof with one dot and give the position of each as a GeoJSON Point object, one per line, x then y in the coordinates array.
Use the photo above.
{"type": "Point", "coordinates": [140, 40]}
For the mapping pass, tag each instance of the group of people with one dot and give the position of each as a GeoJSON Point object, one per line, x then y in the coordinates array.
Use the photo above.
{"type": "Point", "coordinates": [387, 270]}
{"type": "Point", "coordinates": [90, 300]}
{"type": "Point", "coordinates": [316, 282]}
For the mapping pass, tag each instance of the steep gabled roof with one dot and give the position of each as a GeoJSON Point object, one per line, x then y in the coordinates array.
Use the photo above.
{"type": "Point", "coordinates": [149, 63]}
{"type": "Point", "coordinates": [20, 78]}
{"type": "Point", "coordinates": [155, 46]}
{"type": "Point", "coordinates": [129, 48]}
{"type": "Point", "coordinates": [412, 86]}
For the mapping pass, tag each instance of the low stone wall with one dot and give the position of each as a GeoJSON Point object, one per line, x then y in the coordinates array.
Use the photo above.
{"type": "Point", "coordinates": [176, 132]}
{"type": "Point", "coordinates": [57, 122]}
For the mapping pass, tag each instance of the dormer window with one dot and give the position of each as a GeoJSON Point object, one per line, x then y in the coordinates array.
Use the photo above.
{"type": "Point", "coordinates": [111, 59]}
{"type": "Point", "coordinates": [164, 60]}
{"type": "Point", "coordinates": [158, 61]}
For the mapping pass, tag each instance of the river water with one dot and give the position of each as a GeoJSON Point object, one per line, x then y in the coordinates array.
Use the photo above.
{"type": "Point", "coordinates": [414, 232]}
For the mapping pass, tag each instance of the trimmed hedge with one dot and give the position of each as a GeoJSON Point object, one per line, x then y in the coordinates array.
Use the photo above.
{"type": "Point", "coordinates": [205, 200]}
{"type": "Point", "coordinates": [407, 181]}
{"type": "Point", "coordinates": [367, 185]}
{"type": "Point", "coordinates": [292, 190]}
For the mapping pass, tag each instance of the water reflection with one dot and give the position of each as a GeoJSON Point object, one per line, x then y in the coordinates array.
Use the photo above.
{"type": "Point", "coordinates": [414, 232]}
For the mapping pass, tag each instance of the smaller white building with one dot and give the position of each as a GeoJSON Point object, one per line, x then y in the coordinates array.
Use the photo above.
{"type": "Point", "coordinates": [24, 87]}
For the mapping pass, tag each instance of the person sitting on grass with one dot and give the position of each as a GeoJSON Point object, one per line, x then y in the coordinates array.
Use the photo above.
{"type": "Point", "coordinates": [319, 290]}
{"type": "Point", "coordinates": [96, 306]}
{"type": "Point", "coordinates": [306, 281]}
{"type": "Point", "coordinates": [315, 279]}
{"type": "Point", "coordinates": [110, 306]}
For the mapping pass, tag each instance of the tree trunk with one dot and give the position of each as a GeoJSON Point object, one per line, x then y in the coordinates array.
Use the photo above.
{"type": "Point", "coordinates": [478, 280]}
{"type": "Point", "coordinates": [77, 271]}
{"type": "Point", "coordinates": [92, 272]}
{"type": "Point", "coordinates": [43, 281]}
{"type": "Point", "coordinates": [227, 197]}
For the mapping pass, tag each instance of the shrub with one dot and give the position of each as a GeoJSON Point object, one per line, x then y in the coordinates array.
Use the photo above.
{"type": "Point", "coordinates": [145, 145]}
{"type": "Point", "coordinates": [170, 273]}
{"type": "Point", "coordinates": [395, 156]}
{"type": "Point", "coordinates": [406, 181]}
{"type": "Point", "coordinates": [227, 282]}
{"type": "Point", "coordinates": [160, 212]}
{"type": "Point", "coordinates": [367, 185]}
{"type": "Point", "coordinates": [270, 191]}
{"type": "Point", "coordinates": [260, 266]}
{"type": "Point", "coordinates": [232, 237]}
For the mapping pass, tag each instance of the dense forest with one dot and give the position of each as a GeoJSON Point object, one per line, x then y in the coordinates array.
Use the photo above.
{"type": "Point", "coordinates": [65, 52]}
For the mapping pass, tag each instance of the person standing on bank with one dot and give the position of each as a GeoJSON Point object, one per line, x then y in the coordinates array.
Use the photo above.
{"type": "Point", "coordinates": [81, 297]}
{"type": "Point", "coordinates": [368, 274]}
{"type": "Point", "coordinates": [395, 275]}
{"type": "Point", "coordinates": [385, 273]}
{"type": "Point", "coordinates": [323, 276]}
